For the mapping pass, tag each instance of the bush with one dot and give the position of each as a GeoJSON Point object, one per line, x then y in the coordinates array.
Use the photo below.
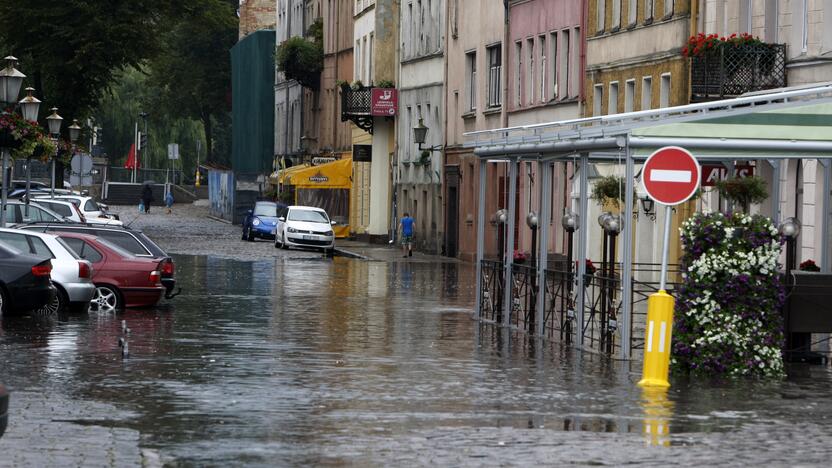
{"type": "Point", "coordinates": [728, 319]}
{"type": "Point", "coordinates": [301, 60]}
{"type": "Point", "coordinates": [743, 191]}
{"type": "Point", "coordinates": [609, 189]}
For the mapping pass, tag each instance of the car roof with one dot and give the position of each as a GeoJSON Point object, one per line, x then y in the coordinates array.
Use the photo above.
{"type": "Point", "coordinates": [301, 207]}
{"type": "Point", "coordinates": [41, 235]}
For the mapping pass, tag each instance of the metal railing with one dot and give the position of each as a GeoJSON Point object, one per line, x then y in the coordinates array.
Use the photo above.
{"type": "Point", "coordinates": [355, 106]}
{"type": "Point", "coordinates": [735, 70]}
{"type": "Point", "coordinates": [603, 300]}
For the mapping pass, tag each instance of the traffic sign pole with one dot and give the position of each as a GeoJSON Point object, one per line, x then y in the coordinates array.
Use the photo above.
{"type": "Point", "coordinates": [671, 176]}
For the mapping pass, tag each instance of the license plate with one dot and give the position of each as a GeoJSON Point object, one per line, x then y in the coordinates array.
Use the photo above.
{"type": "Point", "coordinates": [309, 238]}
{"type": "Point", "coordinates": [274, 231]}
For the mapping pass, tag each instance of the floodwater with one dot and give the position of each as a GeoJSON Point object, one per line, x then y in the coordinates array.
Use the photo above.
{"type": "Point", "coordinates": [349, 362]}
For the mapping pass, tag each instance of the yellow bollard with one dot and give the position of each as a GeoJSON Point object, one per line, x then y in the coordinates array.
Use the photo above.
{"type": "Point", "coordinates": [197, 184]}
{"type": "Point", "coordinates": [657, 340]}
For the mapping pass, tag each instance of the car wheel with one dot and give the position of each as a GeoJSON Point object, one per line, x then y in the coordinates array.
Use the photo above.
{"type": "Point", "coordinates": [4, 303]}
{"type": "Point", "coordinates": [105, 299]}
{"type": "Point", "coordinates": [250, 235]}
{"type": "Point", "coordinates": [54, 306]}
{"type": "Point", "coordinates": [283, 244]}
{"type": "Point", "coordinates": [245, 235]}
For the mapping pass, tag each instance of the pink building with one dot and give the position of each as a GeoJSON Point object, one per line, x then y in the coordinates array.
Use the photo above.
{"type": "Point", "coordinates": [545, 84]}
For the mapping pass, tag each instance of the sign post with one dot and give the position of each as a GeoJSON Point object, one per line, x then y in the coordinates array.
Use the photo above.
{"type": "Point", "coordinates": [670, 176]}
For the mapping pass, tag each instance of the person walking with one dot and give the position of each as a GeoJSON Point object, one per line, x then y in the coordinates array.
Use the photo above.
{"type": "Point", "coordinates": [169, 200]}
{"type": "Point", "coordinates": [407, 235]}
{"type": "Point", "coordinates": [147, 197]}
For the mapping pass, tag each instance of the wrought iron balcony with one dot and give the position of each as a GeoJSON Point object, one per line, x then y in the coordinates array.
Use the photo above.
{"type": "Point", "coordinates": [732, 71]}
{"type": "Point", "coordinates": [355, 106]}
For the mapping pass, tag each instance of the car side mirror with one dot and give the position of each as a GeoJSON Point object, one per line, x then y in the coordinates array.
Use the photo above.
{"type": "Point", "coordinates": [333, 223]}
{"type": "Point", "coordinates": [249, 212]}
{"type": "Point", "coordinates": [281, 219]}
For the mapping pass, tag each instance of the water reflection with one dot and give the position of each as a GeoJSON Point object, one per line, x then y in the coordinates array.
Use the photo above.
{"type": "Point", "coordinates": [366, 363]}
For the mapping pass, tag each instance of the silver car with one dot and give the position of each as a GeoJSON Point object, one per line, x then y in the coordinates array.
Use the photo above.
{"type": "Point", "coordinates": [71, 275]}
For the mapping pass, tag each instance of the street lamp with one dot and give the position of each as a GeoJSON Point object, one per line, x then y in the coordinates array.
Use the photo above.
{"type": "Point", "coordinates": [10, 82]}
{"type": "Point", "coordinates": [420, 133]}
{"type": "Point", "coordinates": [795, 342]}
{"type": "Point", "coordinates": [648, 206]}
{"type": "Point", "coordinates": [74, 131]}
{"type": "Point", "coordinates": [54, 122]}
{"type": "Point", "coordinates": [29, 107]}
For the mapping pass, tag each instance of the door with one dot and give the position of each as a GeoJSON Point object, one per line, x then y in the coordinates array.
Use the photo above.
{"type": "Point", "coordinates": [452, 211]}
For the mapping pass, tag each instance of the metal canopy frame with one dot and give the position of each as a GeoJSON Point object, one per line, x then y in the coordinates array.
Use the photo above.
{"type": "Point", "coordinates": [625, 138]}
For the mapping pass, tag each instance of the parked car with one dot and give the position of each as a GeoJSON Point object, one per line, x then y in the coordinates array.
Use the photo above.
{"type": "Point", "coordinates": [20, 193]}
{"type": "Point", "coordinates": [128, 239]}
{"type": "Point", "coordinates": [261, 221]}
{"type": "Point", "coordinates": [88, 206]}
{"type": "Point", "coordinates": [71, 275]}
{"type": "Point", "coordinates": [121, 279]}
{"type": "Point", "coordinates": [24, 281]}
{"type": "Point", "coordinates": [71, 212]}
{"type": "Point", "coordinates": [304, 226]}
{"type": "Point", "coordinates": [18, 212]}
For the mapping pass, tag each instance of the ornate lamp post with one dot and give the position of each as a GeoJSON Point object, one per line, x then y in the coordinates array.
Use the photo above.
{"type": "Point", "coordinates": [612, 226]}
{"type": "Point", "coordinates": [790, 229]}
{"type": "Point", "coordinates": [570, 222]}
{"type": "Point", "coordinates": [10, 82]}
{"type": "Point", "coordinates": [29, 107]}
{"type": "Point", "coordinates": [532, 221]}
{"type": "Point", "coordinates": [54, 120]}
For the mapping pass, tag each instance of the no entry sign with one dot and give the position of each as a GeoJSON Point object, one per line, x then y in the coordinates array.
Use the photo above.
{"type": "Point", "coordinates": [671, 175]}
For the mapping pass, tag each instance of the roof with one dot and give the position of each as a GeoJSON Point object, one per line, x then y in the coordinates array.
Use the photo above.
{"type": "Point", "coordinates": [791, 122]}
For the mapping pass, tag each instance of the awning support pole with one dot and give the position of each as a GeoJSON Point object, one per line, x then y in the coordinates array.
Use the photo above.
{"type": "Point", "coordinates": [582, 234]}
{"type": "Point", "coordinates": [824, 209]}
{"type": "Point", "coordinates": [544, 170]}
{"type": "Point", "coordinates": [775, 190]}
{"type": "Point", "coordinates": [627, 256]}
{"type": "Point", "coordinates": [508, 302]}
{"type": "Point", "coordinates": [481, 235]}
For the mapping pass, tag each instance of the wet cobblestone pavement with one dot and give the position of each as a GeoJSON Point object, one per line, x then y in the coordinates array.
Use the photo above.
{"type": "Point", "coordinates": [314, 361]}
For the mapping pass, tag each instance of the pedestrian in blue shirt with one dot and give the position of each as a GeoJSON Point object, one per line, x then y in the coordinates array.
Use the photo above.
{"type": "Point", "coordinates": [407, 235]}
{"type": "Point", "coordinates": [169, 201]}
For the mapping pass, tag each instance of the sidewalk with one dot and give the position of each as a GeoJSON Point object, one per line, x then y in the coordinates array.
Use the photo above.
{"type": "Point", "coordinates": [384, 252]}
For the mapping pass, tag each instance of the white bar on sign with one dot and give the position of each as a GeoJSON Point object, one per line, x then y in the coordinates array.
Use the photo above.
{"type": "Point", "coordinates": [667, 175]}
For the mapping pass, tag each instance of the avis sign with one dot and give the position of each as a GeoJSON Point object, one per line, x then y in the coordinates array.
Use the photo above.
{"type": "Point", "coordinates": [384, 102]}
{"type": "Point", "coordinates": [711, 174]}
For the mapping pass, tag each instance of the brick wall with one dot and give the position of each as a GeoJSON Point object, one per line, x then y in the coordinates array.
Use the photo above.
{"type": "Point", "coordinates": [256, 15]}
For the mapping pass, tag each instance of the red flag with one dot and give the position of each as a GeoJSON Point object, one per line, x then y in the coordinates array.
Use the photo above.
{"type": "Point", "coordinates": [131, 158]}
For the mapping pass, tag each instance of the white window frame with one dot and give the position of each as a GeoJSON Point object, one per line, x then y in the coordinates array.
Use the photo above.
{"type": "Point", "coordinates": [649, 9]}
{"type": "Point", "coordinates": [542, 45]}
{"type": "Point", "coordinates": [616, 14]}
{"type": "Point", "coordinates": [597, 100]}
{"type": "Point", "coordinates": [629, 95]}
{"type": "Point", "coordinates": [565, 66]}
{"type": "Point", "coordinates": [646, 93]}
{"type": "Point", "coordinates": [554, 57]}
{"type": "Point", "coordinates": [668, 7]}
{"type": "Point", "coordinates": [665, 89]}
{"type": "Point", "coordinates": [495, 70]}
{"type": "Point", "coordinates": [518, 73]}
{"type": "Point", "coordinates": [602, 15]}
{"type": "Point", "coordinates": [632, 16]}
{"type": "Point", "coordinates": [530, 71]}
{"type": "Point", "coordinates": [612, 98]}
{"type": "Point", "coordinates": [471, 63]}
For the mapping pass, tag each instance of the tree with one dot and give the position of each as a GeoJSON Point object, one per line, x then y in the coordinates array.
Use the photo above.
{"type": "Point", "coordinates": [193, 70]}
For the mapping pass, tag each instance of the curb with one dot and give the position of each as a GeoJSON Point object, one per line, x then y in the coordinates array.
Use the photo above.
{"type": "Point", "coordinates": [219, 219]}
{"type": "Point", "coordinates": [348, 254]}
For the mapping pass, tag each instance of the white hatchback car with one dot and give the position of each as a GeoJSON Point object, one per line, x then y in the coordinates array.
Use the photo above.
{"type": "Point", "coordinates": [71, 275]}
{"type": "Point", "coordinates": [304, 226]}
{"type": "Point", "coordinates": [92, 212]}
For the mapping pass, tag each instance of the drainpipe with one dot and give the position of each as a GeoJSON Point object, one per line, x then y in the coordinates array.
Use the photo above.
{"type": "Point", "coordinates": [445, 100]}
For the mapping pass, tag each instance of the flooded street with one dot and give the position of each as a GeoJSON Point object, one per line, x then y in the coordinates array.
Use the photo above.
{"type": "Point", "coordinates": [289, 362]}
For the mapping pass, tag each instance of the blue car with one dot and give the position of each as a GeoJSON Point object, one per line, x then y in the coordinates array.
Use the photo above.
{"type": "Point", "coordinates": [261, 221]}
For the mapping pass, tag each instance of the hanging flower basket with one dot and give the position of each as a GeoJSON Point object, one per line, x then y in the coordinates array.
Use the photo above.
{"type": "Point", "coordinates": [21, 136]}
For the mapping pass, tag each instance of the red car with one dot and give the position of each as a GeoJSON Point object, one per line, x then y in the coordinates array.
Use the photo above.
{"type": "Point", "coordinates": [121, 279]}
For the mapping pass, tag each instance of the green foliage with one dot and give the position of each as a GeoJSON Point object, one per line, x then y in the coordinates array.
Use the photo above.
{"type": "Point", "coordinates": [743, 191]}
{"type": "Point", "coordinates": [385, 84]}
{"type": "Point", "coordinates": [728, 309]}
{"type": "Point", "coordinates": [301, 60]}
{"type": "Point", "coordinates": [609, 189]}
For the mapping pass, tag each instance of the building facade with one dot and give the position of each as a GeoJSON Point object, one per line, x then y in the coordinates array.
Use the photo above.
{"type": "Point", "coordinates": [419, 172]}
{"type": "Point", "coordinates": [256, 15]}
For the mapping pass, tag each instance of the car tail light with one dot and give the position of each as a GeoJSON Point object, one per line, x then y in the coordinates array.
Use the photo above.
{"type": "Point", "coordinates": [84, 269]}
{"type": "Point", "coordinates": [43, 269]}
{"type": "Point", "coordinates": [167, 268]}
{"type": "Point", "coordinates": [155, 277]}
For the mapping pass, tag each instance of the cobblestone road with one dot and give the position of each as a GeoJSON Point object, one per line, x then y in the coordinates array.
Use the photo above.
{"type": "Point", "coordinates": [189, 231]}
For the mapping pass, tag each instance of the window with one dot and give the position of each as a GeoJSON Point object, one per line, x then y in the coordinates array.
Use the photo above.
{"type": "Point", "coordinates": [632, 6]}
{"type": "Point", "coordinates": [370, 56]}
{"type": "Point", "coordinates": [664, 91]}
{"type": "Point", "coordinates": [357, 60]}
{"type": "Point", "coordinates": [518, 73]}
{"type": "Point", "coordinates": [629, 93]}
{"type": "Point", "coordinates": [553, 45]}
{"type": "Point", "coordinates": [616, 14]}
{"type": "Point", "coordinates": [602, 14]}
{"type": "Point", "coordinates": [565, 56]}
{"type": "Point", "coordinates": [471, 64]}
{"type": "Point", "coordinates": [17, 241]}
{"type": "Point", "coordinates": [530, 71]}
{"type": "Point", "coordinates": [612, 106]}
{"type": "Point", "coordinates": [771, 20]}
{"type": "Point", "coordinates": [647, 93]}
{"type": "Point", "coordinates": [744, 19]}
{"type": "Point", "coordinates": [83, 249]}
{"type": "Point", "coordinates": [541, 41]}
{"type": "Point", "coordinates": [598, 95]}
{"type": "Point", "coordinates": [805, 21]}
{"type": "Point", "coordinates": [575, 58]}
{"type": "Point", "coordinates": [668, 10]}
{"type": "Point", "coordinates": [648, 10]}
{"type": "Point", "coordinates": [495, 69]}
{"type": "Point", "coordinates": [125, 241]}
{"type": "Point", "coordinates": [40, 248]}
{"type": "Point", "coordinates": [91, 206]}
{"type": "Point", "coordinates": [63, 210]}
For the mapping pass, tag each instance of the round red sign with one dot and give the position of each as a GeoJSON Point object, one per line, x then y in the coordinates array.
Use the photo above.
{"type": "Point", "coordinates": [671, 175]}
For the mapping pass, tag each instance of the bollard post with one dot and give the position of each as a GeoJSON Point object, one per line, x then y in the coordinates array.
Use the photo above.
{"type": "Point", "coordinates": [657, 341]}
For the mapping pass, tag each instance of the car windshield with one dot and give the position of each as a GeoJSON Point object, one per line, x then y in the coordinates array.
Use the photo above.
{"type": "Point", "coordinates": [265, 209]}
{"type": "Point", "coordinates": [310, 216]}
{"type": "Point", "coordinates": [117, 249]}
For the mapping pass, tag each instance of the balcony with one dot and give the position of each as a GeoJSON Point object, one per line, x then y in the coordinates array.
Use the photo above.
{"type": "Point", "coordinates": [355, 106]}
{"type": "Point", "coordinates": [732, 71]}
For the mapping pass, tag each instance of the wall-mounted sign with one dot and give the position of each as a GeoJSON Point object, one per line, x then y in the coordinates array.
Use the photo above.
{"type": "Point", "coordinates": [362, 153]}
{"type": "Point", "coordinates": [713, 173]}
{"type": "Point", "coordinates": [318, 160]}
{"type": "Point", "coordinates": [384, 102]}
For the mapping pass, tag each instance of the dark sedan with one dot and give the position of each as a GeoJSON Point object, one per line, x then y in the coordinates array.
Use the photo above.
{"type": "Point", "coordinates": [25, 281]}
